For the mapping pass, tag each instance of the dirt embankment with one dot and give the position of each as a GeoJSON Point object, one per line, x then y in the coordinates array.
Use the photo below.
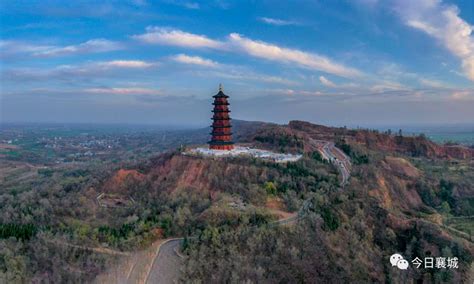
{"type": "Point", "coordinates": [177, 171]}
{"type": "Point", "coordinates": [393, 188]}
{"type": "Point", "coordinates": [276, 207]}
{"type": "Point", "coordinates": [401, 167]}
{"type": "Point", "coordinates": [119, 181]}
{"type": "Point", "coordinates": [170, 172]}
{"type": "Point", "coordinates": [185, 171]}
{"type": "Point", "coordinates": [412, 145]}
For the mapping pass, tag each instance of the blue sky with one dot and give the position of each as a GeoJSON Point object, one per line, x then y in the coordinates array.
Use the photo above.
{"type": "Point", "coordinates": [363, 62]}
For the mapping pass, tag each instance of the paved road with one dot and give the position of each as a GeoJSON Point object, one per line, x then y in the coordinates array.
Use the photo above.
{"type": "Point", "coordinates": [338, 158]}
{"type": "Point", "coordinates": [166, 265]}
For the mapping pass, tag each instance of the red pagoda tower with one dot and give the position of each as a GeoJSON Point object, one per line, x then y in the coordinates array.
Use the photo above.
{"type": "Point", "coordinates": [221, 128]}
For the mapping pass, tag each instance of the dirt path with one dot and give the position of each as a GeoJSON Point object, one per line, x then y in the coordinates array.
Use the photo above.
{"type": "Point", "coordinates": [101, 250]}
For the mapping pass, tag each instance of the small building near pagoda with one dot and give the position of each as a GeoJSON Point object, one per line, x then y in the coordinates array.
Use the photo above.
{"type": "Point", "coordinates": [221, 135]}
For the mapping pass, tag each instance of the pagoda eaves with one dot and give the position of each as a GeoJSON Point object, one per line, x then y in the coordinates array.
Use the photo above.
{"type": "Point", "coordinates": [221, 128]}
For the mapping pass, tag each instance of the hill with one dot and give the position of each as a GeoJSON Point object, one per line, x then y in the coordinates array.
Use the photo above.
{"type": "Point", "coordinates": [405, 194]}
{"type": "Point", "coordinates": [401, 196]}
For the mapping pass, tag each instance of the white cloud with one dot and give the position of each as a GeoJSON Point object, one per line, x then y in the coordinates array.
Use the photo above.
{"type": "Point", "coordinates": [384, 86]}
{"type": "Point", "coordinates": [73, 72]}
{"type": "Point", "coordinates": [272, 52]}
{"type": "Point", "coordinates": [326, 82]}
{"type": "Point", "coordinates": [158, 35]}
{"type": "Point", "coordinates": [286, 92]}
{"type": "Point", "coordinates": [188, 5]}
{"type": "Point", "coordinates": [443, 23]}
{"type": "Point", "coordinates": [196, 60]}
{"type": "Point", "coordinates": [431, 83]}
{"type": "Point", "coordinates": [252, 76]}
{"type": "Point", "coordinates": [276, 22]}
{"type": "Point", "coordinates": [126, 64]}
{"type": "Point", "coordinates": [292, 92]}
{"type": "Point", "coordinates": [123, 91]}
{"type": "Point", "coordinates": [90, 46]}
{"type": "Point", "coordinates": [422, 26]}
{"type": "Point", "coordinates": [191, 5]}
{"type": "Point", "coordinates": [183, 3]}
{"type": "Point", "coordinates": [9, 47]}
{"type": "Point", "coordinates": [462, 95]}
{"type": "Point", "coordinates": [260, 49]}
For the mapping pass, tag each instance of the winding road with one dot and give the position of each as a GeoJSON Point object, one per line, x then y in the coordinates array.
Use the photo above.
{"type": "Point", "coordinates": [167, 263]}
{"type": "Point", "coordinates": [335, 156]}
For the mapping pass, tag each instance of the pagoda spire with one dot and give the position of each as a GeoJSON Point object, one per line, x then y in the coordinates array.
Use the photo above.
{"type": "Point", "coordinates": [221, 128]}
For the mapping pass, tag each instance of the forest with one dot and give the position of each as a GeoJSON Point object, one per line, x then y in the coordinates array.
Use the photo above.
{"type": "Point", "coordinates": [396, 201]}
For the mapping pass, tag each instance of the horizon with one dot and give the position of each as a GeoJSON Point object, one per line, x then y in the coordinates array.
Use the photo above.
{"type": "Point", "coordinates": [366, 63]}
{"type": "Point", "coordinates": [416, 128]}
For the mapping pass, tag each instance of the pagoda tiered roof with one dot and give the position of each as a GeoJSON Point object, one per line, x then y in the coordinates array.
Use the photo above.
{"type": "Point", "coordinates": [221, 128]}
{"type": "Point", "coordinates": [220, 95]}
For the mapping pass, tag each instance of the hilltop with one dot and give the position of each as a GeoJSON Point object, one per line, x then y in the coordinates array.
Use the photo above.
{"type": "Point", "coordinates": [405, 194]}
{"type": "Point", "coordinates": [396, 201]}
{"type": "Point", "coordinates": [416, 146]}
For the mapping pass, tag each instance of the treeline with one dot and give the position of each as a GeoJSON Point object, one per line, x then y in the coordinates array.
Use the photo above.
{"type": "Point", "coordinates": [281, 141]}
{"type": "Point", "coordinates": [20, 231]}
{"type": "Point", "coordinates": [357, 158]}
{"type": "Point", "coordinates": [443, 197]}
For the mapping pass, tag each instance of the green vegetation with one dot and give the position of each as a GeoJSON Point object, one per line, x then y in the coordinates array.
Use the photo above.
{"type": "Point", "coordinates": [444, 185]}
{"type": "Point", "coordinates": [331, 221]}
{"type": "Point", "coordinates": [356, 157]}
{"type": "Point", "coordinates": [462, 224]}
{"type": "Point", "coordinates": [270, 188]}
{"type": "Point", "coordinates": [19, 231]}
{"type": "Point", "coordinates": [315, 155]}
{"type": "Point", "coordinates": [46, 172]}
{"type": "Point", "coordinates": [352, 221]}
{"type": "Point", "coordinates": [281, 141]}
{"type": "Point", "coordinates": [219, 205]}
{"type": "Point", "coordinates": [262, 254]}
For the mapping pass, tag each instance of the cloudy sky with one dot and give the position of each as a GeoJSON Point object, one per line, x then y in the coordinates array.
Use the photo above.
{"type": "Point", "coordinates": [363, 62]}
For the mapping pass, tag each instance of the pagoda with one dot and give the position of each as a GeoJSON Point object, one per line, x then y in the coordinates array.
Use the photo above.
{"type": "Point", "coordinates": [221, 128]}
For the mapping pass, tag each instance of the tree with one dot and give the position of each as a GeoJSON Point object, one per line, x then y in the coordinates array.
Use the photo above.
{"type": "Point", "coordinates": [445, 208]}
{"type": "Point", "coordinates": [270, 188]}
